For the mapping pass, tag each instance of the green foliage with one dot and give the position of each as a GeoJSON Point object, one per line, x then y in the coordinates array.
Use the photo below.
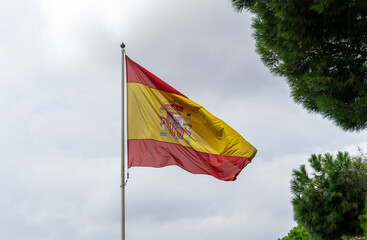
{"type": "Point", "coordinates": [297, 233]}
{"type": "Point", "coordinates": [363, 220]}
{"type": "Point", "coordinates": [320, 46]}
{"type": "Point", "coordinates": [329, 201]}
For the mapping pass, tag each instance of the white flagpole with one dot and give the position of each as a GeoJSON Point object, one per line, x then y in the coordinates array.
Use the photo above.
{"type": "Point", "coordinates": [122, 142]}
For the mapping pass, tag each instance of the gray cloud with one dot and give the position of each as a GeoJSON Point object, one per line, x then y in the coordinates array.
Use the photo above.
{"type": "Point", "coordinates": [60, 122]}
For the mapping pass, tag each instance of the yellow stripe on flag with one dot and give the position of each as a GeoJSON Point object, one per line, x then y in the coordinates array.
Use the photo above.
{"type": "Point", "coordinates": [172, 118]}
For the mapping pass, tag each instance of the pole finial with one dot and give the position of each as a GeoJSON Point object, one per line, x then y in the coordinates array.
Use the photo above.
{"type": "Point", "coordinates": [122, 45]}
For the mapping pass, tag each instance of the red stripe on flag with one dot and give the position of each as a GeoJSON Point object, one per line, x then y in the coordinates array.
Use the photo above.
{"type": "Point", "coordinates": [152, 153]}
{"type": "Point", "coordinates": [138, 74]}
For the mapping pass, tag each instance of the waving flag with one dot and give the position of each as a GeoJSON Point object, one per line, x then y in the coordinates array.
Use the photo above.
{"type": "Point", "coordinates": [167, 128]}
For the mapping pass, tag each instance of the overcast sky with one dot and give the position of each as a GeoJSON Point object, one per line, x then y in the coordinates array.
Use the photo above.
{"type": "Point", "coordinates": [60, 122]}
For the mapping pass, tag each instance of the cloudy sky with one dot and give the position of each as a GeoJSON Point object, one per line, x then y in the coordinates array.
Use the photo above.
{"type": "Point", "coordinates": [60, 122]}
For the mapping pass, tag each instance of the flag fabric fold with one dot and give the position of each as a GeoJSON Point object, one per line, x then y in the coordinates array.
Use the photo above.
{"type": "Point", "coordinates": [164, 128]}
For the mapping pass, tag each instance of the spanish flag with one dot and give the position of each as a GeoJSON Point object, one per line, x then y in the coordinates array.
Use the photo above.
{"type": "Point", "coordinates": [164, 128]}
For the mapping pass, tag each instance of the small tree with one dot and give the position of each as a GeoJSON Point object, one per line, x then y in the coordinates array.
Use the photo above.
{"type": "Point", "coordinates": [328, 203]}
{"type": "Point", "coordinates": [297, 233]}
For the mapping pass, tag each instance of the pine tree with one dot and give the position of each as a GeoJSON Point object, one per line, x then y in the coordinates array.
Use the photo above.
{"type": "Point", "coordinates": [328, 202]}
{"type": "Point", "coordinates": [320, 47]}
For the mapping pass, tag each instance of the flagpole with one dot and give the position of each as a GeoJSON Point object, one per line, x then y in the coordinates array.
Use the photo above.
{"type": "Point", "coordinates": [122, 141]}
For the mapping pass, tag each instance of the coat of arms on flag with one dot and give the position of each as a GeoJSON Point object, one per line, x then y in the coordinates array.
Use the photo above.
{"type": "Point", "coordinates": [172, 118]}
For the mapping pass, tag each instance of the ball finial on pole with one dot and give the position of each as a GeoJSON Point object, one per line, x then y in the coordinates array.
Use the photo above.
{"type": "Point", "coordinates": [122, 45]}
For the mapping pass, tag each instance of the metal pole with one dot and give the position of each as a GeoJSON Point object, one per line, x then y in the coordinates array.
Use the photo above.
{"type": "Point", "coordinates": [122, 142]}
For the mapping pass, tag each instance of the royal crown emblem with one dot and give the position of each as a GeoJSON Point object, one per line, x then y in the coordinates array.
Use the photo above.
{"type": "Point", "coordinates": [173, 120]}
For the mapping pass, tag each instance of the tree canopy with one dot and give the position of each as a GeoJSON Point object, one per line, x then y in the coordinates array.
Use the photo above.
{"type": "Point", "coordinates": [328, 203]}
{"type": "Point", "coordinates": [296, 233]}
{"type": "Point", "coordinates": [320, 47]}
